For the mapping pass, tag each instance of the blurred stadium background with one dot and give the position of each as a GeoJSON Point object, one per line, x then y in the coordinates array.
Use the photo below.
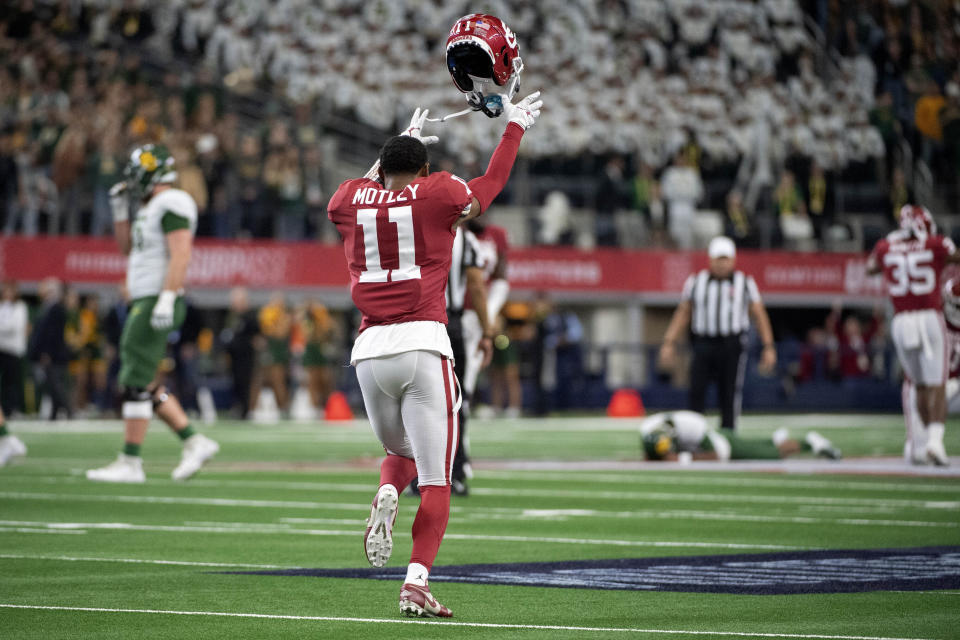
{"type": "Point", "coordinates": [797, 127]}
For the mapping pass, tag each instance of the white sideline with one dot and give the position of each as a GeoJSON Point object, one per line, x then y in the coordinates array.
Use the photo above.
{"type": "Point", "coordinates": [484, 625]}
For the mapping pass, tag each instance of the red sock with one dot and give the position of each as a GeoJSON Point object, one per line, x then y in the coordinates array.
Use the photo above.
{"type": "Point", "coordinates": [430, 523]}
{"type": "Point", "coordinates": [398, 471]}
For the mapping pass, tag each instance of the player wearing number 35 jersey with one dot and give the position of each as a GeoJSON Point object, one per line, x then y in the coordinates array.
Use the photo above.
{"type": "Point", "coordinates": [398, 226]}
{"type": "Point", "coordinates": [912, 259]}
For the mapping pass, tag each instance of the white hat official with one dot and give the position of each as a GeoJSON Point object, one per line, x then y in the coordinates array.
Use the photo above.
{"type": "Point", "coordinates": [722, 247]}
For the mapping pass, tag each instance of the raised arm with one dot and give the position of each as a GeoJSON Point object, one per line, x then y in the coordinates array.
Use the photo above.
{"type": "Point", "coordinates": [487, 187]}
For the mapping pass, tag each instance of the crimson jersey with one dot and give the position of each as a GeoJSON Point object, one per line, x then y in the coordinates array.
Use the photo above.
{"type": "Point", "coordinates": [491, 244]}
{"type": "Point", "coordinates": [398, 244]}
{"type": "Point", "coordinates": [912, 269]}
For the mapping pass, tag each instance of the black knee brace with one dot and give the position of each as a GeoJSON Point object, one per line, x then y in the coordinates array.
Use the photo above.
{"type": "Point", "coordinates": [159, 396]}
{"type": "Point", "coordinates": [134, 394]}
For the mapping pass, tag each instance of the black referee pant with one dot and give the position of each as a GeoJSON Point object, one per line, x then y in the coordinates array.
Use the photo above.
{"type": "Point", "coordinates": [455, 332]}
{"type": "Point", "coordinates": [720, 359]}
{"type": "Point", "coordinates": [11, 383]}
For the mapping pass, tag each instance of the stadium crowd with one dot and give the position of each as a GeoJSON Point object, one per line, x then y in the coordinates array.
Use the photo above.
{"type": "Point", "coordinates": [64, 346]}
{"type": "Point", "coordinates": [676, 105]}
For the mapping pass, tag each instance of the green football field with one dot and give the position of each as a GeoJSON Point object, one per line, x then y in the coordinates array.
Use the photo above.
{"type": "Point", "coordinates": [165, 559]}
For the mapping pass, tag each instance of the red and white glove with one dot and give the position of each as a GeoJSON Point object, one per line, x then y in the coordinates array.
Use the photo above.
{"type": "Point", "coordinates": [416, 126]}
{"type": "Point", "coordinates": [413, 130]}
{"type": "Point", "coordinates": [525, 112]}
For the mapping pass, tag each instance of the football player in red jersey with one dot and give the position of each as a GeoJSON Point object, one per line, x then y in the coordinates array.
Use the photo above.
{"type": "Point", "coordinates": [911, 260]}
{"type": "Point", "coordinates": [492, 252]}
{"type": "Point", "coordinates": [936, 452]}
{"type": "Point", "coordinates": [398, 226]}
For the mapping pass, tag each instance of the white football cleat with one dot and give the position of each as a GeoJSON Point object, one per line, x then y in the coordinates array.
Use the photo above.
{"type": "Point", "coordinates": [124, 469]}
{"type": "Point", "coordinates": [937, 454]}
{"type": "Point", "coordinates": [197, 449]}
{"type": "Point", "coordinates": [918, 454]}
{"type": "Point", "coordinates": [418, 601]}
{"type": "Point", "coordinates": [10, 447]}
{"type": "Point", "coordinates": [378, 537]}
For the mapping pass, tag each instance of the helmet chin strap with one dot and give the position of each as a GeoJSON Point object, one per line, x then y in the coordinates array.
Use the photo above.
{"type": "Point", "coordinates": [450, 116]}
{"type": "Point", "coordinates": [490, 104]}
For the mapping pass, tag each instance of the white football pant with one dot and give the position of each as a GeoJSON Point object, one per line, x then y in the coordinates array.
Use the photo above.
{"type": "Point", "coordinates": [920, 340]}
{"type": "Point", "coordinates": [412, 400]}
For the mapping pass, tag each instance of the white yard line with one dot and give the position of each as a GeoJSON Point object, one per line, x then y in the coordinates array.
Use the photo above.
{"type": "Point", "coordinates": [484, 625]}
{"type": "Point", "coordinates": [212, 502]}
{"type": "Point", "coordinates": [35, 530]}
{"type": "Point", "coordinates": [628, 477]}
{"type": "Point", "coordinates": [640, 496]}
{"type": "Point", "coordinates": [184, 563]}
{"type": "Point", "coordinates": [545, 514]}
{"type": "Point", "coordinates": [356, 532]}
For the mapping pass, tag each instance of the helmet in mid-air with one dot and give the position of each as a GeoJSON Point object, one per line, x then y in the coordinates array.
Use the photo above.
{"type": "Point", "coordinates": [148, 166]}
{"type": "Point", "coordinates": [483, 59]}
{"type": "Point", "coordinates": [918, 220]}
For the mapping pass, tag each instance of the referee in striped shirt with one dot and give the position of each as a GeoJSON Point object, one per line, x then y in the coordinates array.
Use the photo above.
{"type": "Point", "coordinates": [466, 278]}
{"type": "Point", "coordinates": [717, 304]}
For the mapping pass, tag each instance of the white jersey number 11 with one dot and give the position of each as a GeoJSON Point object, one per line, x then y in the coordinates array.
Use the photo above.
{"type": "Point", "coordinates": [407, 268]}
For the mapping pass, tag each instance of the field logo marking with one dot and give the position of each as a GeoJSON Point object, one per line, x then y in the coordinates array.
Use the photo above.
{"type": "Point", "coordinates": [828, 571]}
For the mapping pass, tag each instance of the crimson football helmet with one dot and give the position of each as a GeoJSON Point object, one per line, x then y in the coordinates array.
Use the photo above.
{"type": "Point", "coordinates": [951, 301]}
{"type": "Point", "coordinates": [917, 220]}
{"type": "Point", "coordinates": [483, 58]}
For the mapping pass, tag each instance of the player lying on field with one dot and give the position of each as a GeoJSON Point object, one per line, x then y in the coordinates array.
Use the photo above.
{"type": "Point", "coordinates": [685, 435]}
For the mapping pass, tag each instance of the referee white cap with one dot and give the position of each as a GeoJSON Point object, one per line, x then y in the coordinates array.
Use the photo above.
{"type": "Point", "coordinates": [722, 247]}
